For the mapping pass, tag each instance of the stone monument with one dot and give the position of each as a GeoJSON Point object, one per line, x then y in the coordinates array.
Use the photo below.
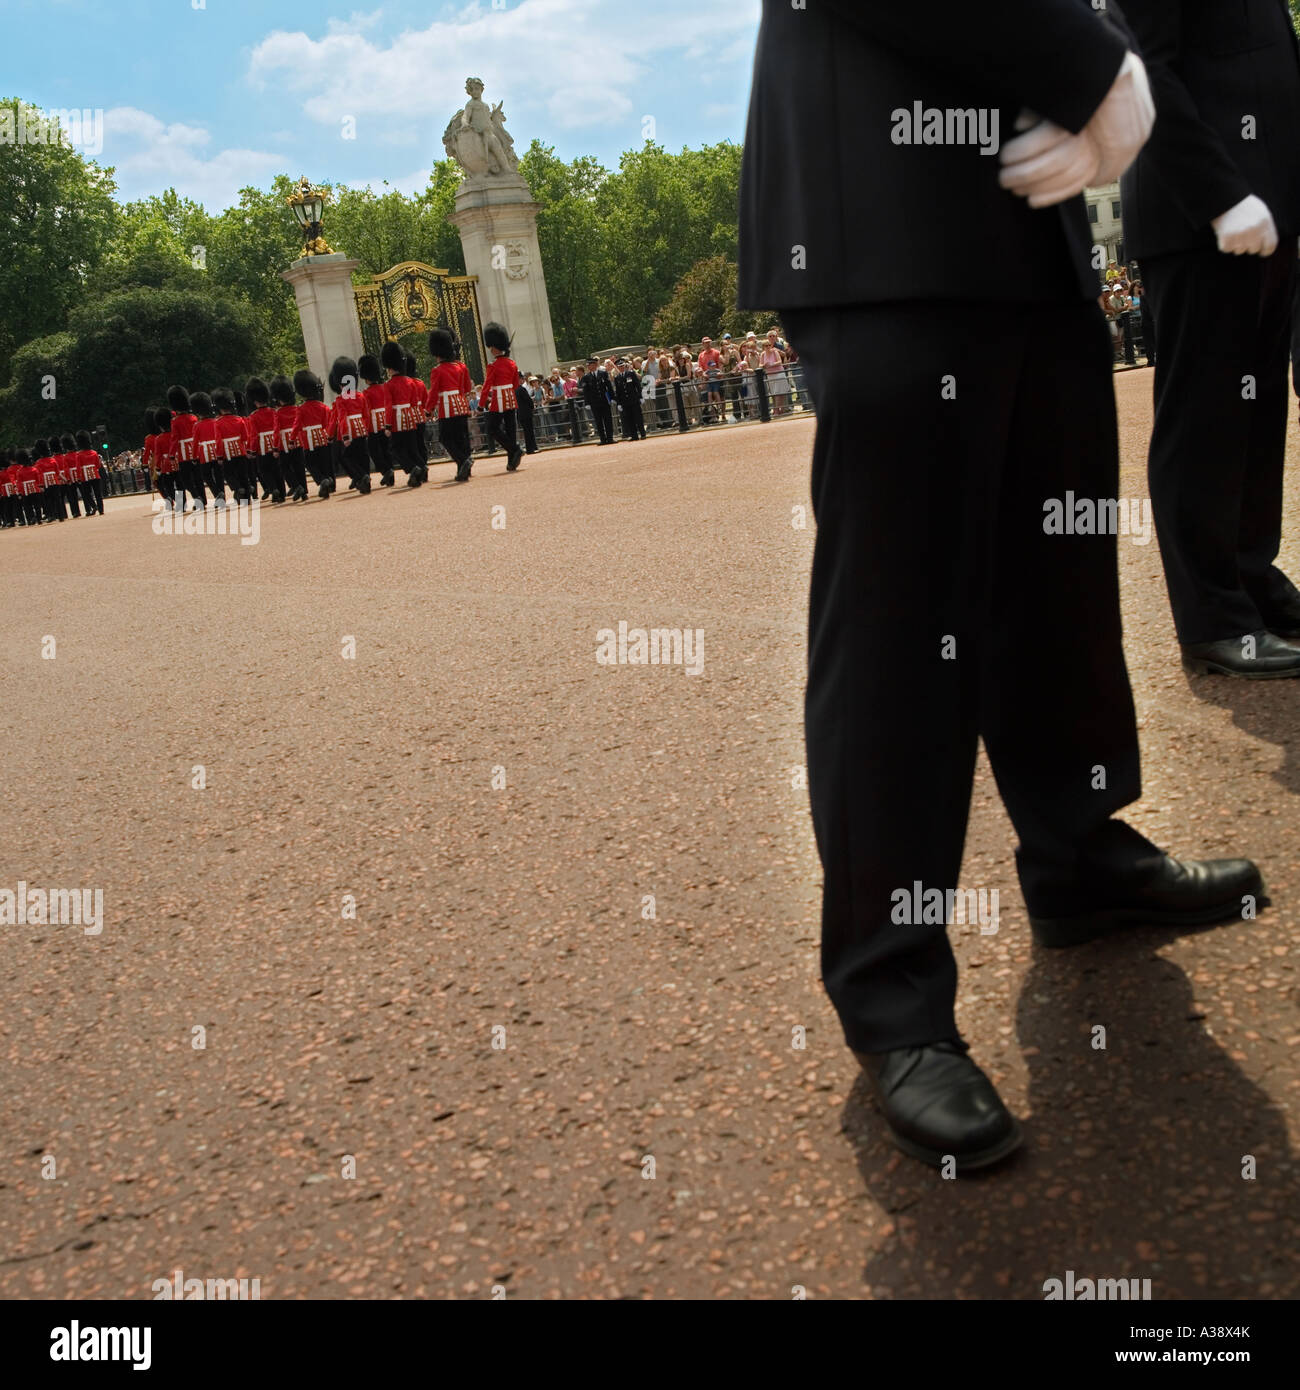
{"type": "Point", "coordinates": [322, 284]}
{"type": "Point", "coordinates": [497, 220]}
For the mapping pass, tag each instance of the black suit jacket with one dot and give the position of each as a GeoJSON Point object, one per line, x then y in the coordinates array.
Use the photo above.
{"type": "Point", "coordinates": [1216, 66]}
{"type": "Point", "coordinates": [595, 387]}
{"type": "Point", "coordinates": [879, 220]}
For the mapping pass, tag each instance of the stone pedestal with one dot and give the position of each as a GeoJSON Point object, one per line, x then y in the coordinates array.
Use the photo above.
{"type": "Point", "coordinates": [497, 220]}
{"type": "Point", "coordinates": [330, 329]}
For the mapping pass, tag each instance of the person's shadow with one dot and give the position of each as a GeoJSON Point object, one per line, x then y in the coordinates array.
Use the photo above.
{"type": "Point", "coordinates": [1133, 1160]}
{"type": "Point", "coordinates": [1268, 710]}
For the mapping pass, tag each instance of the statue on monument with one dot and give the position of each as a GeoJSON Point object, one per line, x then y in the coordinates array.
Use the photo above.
{"type": "Point", "coordinates": [476, 136]}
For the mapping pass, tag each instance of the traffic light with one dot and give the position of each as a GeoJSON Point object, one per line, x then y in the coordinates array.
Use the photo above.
{"type": "Point", "coordinates": [101, 439]}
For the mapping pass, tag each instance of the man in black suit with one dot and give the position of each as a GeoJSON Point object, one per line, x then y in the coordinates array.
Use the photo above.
{"type": "Point", "coordinates": [1212, 209]}
{"type": "Point", "coordinates": [876, 193]}
{"type": "Point", "coordinates": [597, 392]}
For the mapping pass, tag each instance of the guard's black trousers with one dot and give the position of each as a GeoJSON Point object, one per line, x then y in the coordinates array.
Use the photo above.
{"type": "Point", "coordinates": [453, 434]}
{"type": "Point", "coordinates": [1215, 464]}
{"type": "Point", "coordinates": [501, 428]}
{"type": "Point", "coordinates": [941, 612]}
{"type": "Point", "coordinates": [319, 463]}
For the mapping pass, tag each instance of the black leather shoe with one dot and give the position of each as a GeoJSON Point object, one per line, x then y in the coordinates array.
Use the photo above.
{"type": "Point", "coordinates": [939, 1105]}
{"type": "Point", "coordinates": [1282, 615]}
{"type": "Point", "coordinates": [1179, 893]}
{"type": "Point", "coordinates": [1272, 658]}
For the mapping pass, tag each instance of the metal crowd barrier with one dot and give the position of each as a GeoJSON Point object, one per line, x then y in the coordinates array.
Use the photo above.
{"type": "Point", "coordinates": [679, 404]}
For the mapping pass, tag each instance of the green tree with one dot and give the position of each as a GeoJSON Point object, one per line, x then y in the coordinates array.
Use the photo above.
{"type": "Point", "coordinates": [146, 252]}
{"type": "Point", "coordinates": [568, 235]}
{"type": "Point", "coordinates": [245, 250]}
{"type": "Point", "coordinates": [704, 301]}
{"type": "Point", "coordinates": [56, 220]}
{"type": "Point", "coordinates": [120, 354]}
{"type": "Point", "coordinates": [383, 229]}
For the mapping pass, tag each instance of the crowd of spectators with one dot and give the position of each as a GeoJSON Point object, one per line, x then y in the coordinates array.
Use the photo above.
{"type": "Point", "coordinates": [717, 380]}
{"type": "Point", "coordinates": [1128, 317]}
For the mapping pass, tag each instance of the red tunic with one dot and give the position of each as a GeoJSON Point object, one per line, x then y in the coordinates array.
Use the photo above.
{"type": "Point", "coordinates": [205, 441]}
{"type": "Point", "coordinates": [498, 392]}
{"type": "Point", "coordinates": [378, 397]}
{"type": "Point", "coordinates": [262, 432]}
{"type": "Point", "coordinates": [348, 419]}
{"type": "Point", "coordinates": [89, 464]}
{"type": "Point", "coordinates": [182, 437]}
{"type": "Point", "coordinates": [313, 428]}
{"type": "Point", "coordinates": [449, 390]}
{"type": "Point", "coordinates": [232, 437]}
{"type": "Point", "coordinates": [286, 425]}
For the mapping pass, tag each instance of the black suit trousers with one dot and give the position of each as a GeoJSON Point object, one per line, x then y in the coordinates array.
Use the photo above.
{"type": "Point", "coordinates": [941, 612]}
{"type": "Point", "coordinates": [1217, 447]}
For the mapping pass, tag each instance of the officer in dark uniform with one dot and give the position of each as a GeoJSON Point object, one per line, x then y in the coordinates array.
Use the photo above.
{"type": "Point", "coordinates": [627, 392]}
{"type": "Point", "coordinates": [525, 406]}
{"type": "Point", "coordinates": [598, 391]}
{"type": "Point", "coordinates": [890, 159]}
{"type": "Point", "coordinates": [1212, 210]}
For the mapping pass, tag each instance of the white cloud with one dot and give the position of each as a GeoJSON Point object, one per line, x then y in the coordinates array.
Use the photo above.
{"type": "Point", "coordinates": [552, 65]}
{"type": "Point", "coordinates": [150, 156]}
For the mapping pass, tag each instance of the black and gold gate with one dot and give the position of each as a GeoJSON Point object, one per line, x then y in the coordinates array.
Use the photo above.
{"type": "Point", "coordinates": [411, 299]}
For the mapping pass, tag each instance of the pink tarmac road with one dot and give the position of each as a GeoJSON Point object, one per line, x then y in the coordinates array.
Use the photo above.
{"type": "Point", "coordinates": [524, 941]}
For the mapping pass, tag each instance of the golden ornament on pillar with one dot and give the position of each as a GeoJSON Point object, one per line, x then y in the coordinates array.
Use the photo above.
{"type": "Point", "coordinates": [307, 205]}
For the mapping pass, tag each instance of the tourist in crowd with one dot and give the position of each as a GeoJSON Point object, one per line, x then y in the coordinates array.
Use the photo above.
{"type": "Point", "coordinates": [709, 367]}
{"type": "Point", "coordinates": [773, 360]}
{"type": "Point", "coordinates": [729, 356]}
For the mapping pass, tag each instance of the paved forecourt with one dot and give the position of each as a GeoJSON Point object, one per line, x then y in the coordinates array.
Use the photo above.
{"type": "Point", "coordinates": [445, 946]}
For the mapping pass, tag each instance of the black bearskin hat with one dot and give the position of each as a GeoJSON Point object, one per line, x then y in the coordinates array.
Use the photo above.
{"type": "Point", "coordinates": [393, 356]}
{"type": "Point", "coordinates": [256, 391]}
{"type": "Point", "coordinates": [308, 386]}
{"type": "Point", "coordinates": [179, 399]}
{"type": "Point", "coordinates": [241, 408]}
{"type": "Point", "coordinates": [412, 368]}
{"type": "Point", "coordinates": [495, 336]}
{"type": "Point", "coordinates": [201, 405]}
{"type": "Point", "coordinates": [281, 390]}
{"type": "Point", "coordinates": [67, 443]}
{"type": "Point", "coordinates": [223, 399]}
{"type": "Point", "coordinates": [83, 439]}
{"type": "Point", "coordinates": [150, 424]}
{"type": "Point", "coordinates": [344, 375]}
{"type": "Point", "coordinates": [22, 458]}
{"type": "Point", "coordinates": [39, 449]}
{"type": "Point", "coordinates": [369, 368]}
{"type": "Point", "coordinates": [444, 344]}
{"type": "Point", "coordinates": [162, 420]}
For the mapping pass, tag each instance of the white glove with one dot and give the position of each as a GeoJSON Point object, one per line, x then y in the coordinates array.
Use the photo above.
{"type": "Point", "coordinates": [1047, 164]}
{"type": "Point", "coordinates": [1123, 121]}
{"type": "Point", "coordinates": [1247, 229]}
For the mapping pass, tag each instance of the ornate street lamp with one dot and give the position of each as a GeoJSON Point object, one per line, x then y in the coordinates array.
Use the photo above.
{"type": "Point", "coordinates": [307, 205]}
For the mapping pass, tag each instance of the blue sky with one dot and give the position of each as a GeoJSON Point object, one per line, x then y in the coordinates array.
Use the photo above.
{"type": "Point", "coordinates": [209, 95]}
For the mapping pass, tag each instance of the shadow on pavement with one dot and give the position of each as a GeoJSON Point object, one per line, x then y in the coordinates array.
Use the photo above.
{"type": "Point", "coordinates": [1268, 710]}
{"type": "Point", "coordinates": [1133, 1156]}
